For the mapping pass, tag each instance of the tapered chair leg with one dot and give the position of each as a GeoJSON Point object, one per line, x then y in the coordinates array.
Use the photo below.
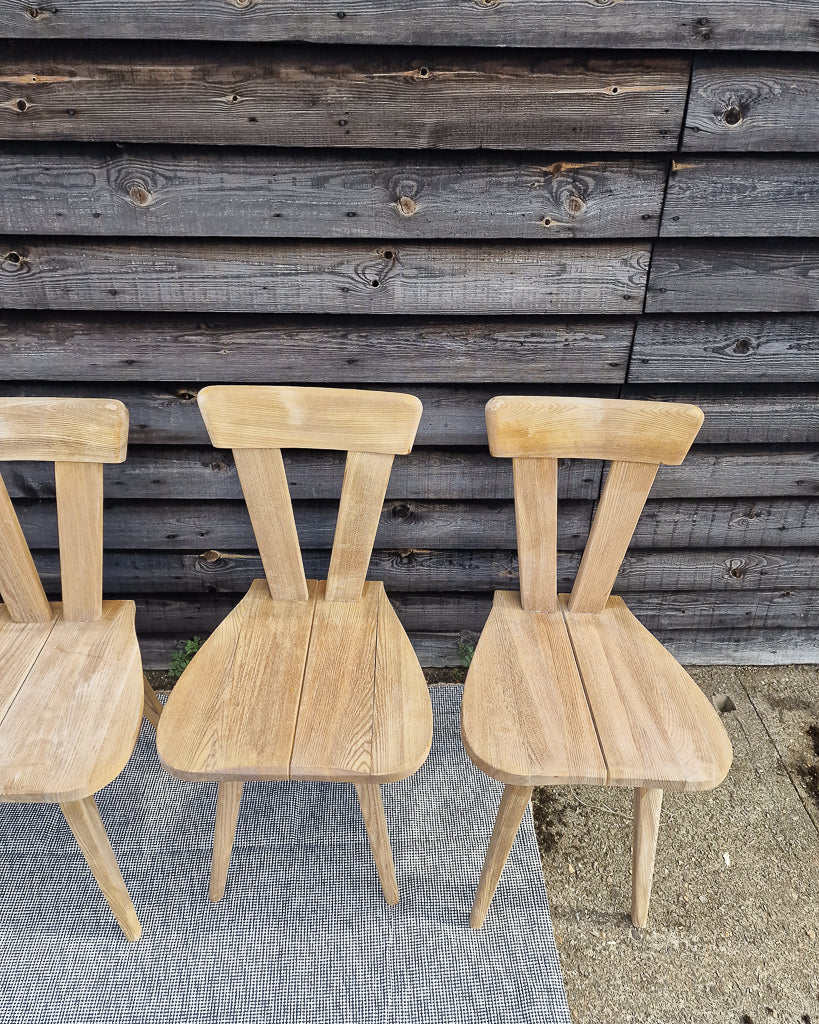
{"type": "Point", "coordinates": [84, 821]}
{"type": "Point", "coordinates": [228, 801]}
{"type": "Point", "coordinates": [647, 804]}
{"type": "Point", "coordinates": [152, 708]}
{"type": "Point", "coordinates": [372, 810]}
{"type": "Point", "coordinates": [510, 814]}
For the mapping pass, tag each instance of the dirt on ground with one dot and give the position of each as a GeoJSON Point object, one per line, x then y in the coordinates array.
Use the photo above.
{"type": "Point", "coordinates": [732, 935]}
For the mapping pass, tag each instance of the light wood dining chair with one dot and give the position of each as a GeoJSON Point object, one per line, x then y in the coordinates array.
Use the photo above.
{"type": "Point", "coordinates": [72, 692]}
{"type": "Point", "coordinates": [304, 679]}
{"type": "Point", "coordinates": [572, 689]}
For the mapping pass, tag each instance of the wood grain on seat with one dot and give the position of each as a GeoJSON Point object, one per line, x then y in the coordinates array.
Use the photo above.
{"type": "Point", "coordinates": [75, 719]}
{"type": "Point", "coordinates": [524, 717]}
{"type": "Point", "coordinates": [307, 690]}
{"type": "Point", "coordinates": [656, 727]}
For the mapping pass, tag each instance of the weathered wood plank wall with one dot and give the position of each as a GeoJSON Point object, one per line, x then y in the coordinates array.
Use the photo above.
{"type": "Point", "coordinates": [454, 200]}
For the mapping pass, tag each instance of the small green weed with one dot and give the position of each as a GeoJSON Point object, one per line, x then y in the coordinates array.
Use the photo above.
{"type": "Point", "coordinates": [466, 652]}
{"type": "Point", "coordinates": [181, 659]}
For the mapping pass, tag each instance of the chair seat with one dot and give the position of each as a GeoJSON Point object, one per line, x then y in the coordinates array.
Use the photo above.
{"type": "Point", "coordinates": [310, 689]}
{"type": "Point", "coordinates": [579, 698]}
{"type": "Point", "coordinates": [71, 697]}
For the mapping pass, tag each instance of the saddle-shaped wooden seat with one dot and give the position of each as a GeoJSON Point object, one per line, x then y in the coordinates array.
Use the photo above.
{"type": "Point", "coordinates": [304, 679]}
{"type": "Point", "coordinates": [572, 689]}
{"type": "Point", "coordinates": [72, 693]}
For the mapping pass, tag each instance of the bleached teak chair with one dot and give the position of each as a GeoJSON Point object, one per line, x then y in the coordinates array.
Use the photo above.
{"type": "Point", "coordinates": [71, 683]}
{"type": "Point", "coordinates": [304, 679]}
{"type": "Point", "coordinates": [572, 689]}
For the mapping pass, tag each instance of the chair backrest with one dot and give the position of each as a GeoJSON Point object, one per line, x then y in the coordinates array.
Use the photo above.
{"type": "Point", "coordinates": [78, 435]}
{"type": "Point", "coordinates": [258, 421]}
{"type": "Point", "coordinates": [636, 437]}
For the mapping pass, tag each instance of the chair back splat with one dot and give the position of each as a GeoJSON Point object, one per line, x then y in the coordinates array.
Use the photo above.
{"type": "Point", "coordinates": [257, 421]}
{"type": "Point", "coordinates": [78, 435]}
{"type": "Point", "coordinates": [636, 437]}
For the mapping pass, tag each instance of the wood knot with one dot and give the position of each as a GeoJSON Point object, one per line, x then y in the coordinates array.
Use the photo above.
{"type": "Point", "coordinates": [742, 346]}
{"type": "Point", "coordinates": [422, 74]}
{"type": "Point", "coordinates": [139, 194]}
{"type": "Point", "coordinates": [575, 205]}
{"type": "Point", "coordinates": [401, 512]}
{"type": "Point", "coordinates": [406, 206]}
{"type": "Point", "coordinates": [13, 261]}
{"type": "Point", "coordinates": [736, 568]}
{"type": "Point", "coordinates": [732, 115]}
{"type": "Point", "coordinates": [21, 105]}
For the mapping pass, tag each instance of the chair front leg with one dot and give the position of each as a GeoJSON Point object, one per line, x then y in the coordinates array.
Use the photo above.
{"type": "Point", "coordinates": [372, 810]}
{"type": "Point", "coordinates": [228, 801]}
{"type": "Point", "coordinates": [84, 821]}
{"type": "Point", "coordinates": [152, 708]}
{"type": "Point", "coordinates": [647, 804]}
{"type": "Point", "coordinates": [510, 814]}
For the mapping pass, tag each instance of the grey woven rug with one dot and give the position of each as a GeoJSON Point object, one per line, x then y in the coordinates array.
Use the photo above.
{"type": "Point", "coordinates": [303, 934]}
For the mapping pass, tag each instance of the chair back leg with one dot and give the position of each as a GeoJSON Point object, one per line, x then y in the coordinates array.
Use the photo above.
{"type": "Point", "coordinates": [84, 821]}
{"type": "Point", "coordinates": [647, 804]}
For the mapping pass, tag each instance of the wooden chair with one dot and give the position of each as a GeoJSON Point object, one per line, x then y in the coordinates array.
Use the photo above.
{"type": "Point", "coordinates": [72, 691]}
{"type": "Point", "coordinates": [304, 679]}
{"type": "Point", "coordinates": [572, 689]}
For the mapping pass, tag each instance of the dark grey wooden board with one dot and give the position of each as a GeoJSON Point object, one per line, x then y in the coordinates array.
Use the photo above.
{"type": "Point", "coordinates": [740, 276]}
{"type": "Point", "coordinates": [744, 414]}
{"type": "Point", "coordinates": [169, 415]}
{"type": "Point", "coordinates": [725, 349]}
{"type": "Point", "coordinates": [769, 609]}
{"type": "Point", "coordinates": [282, 194]}
{"type": "Point", "coordinates": [208, 474]}
{"type": "Point", "coordinates": [712, 647]}
{"type": "Point", "coordinates": [225, 526]}
{"type": "Point", "coordinates": [204, 474]}
{"type": "Point", "coordinates": [702, 25]}
{"type": "Point", "coordinates": [352, 97]}
{"type": "Point", "coordinates": [444, 525]}
{"type": "Point", "coordinates": [422, 570]}
{"type": "Point", "coordinates": [754, 196]}
{"type": "Point", "coordinates": [743, 646]}
{"type": "Point", "coordinates": [753, 103]}
{"type": "Point", "coordinates": [455, 415]}
{"type": "Point", "coordinates": [748, 471]}
{"type": "Point", "coordinates": [324, 277]}
{"type": "Point", "coordinates": [307, 350]}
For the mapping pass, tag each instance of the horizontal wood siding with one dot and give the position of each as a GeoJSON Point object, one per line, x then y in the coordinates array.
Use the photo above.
{"type": "Point", "coordinates": [337, 194]}
{"type": "Point", "coordinates": [454, 200]}
{"type": "Point", "coordinates": [352, 97]}
{"type": "Point", "coordinates": [753, 104]}
{"type": "Point", "coordinates": [338, 277]}
{"type": "Point", "coordinates": [237, 349]}
{"type": "Point", "coordinates": [710, 24]}
{"type": "Point", "coordinates": [722, 197]}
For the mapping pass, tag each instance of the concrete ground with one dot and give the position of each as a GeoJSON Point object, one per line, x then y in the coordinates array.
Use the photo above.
{"type": "Point", "coordinates": [732, 930]}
